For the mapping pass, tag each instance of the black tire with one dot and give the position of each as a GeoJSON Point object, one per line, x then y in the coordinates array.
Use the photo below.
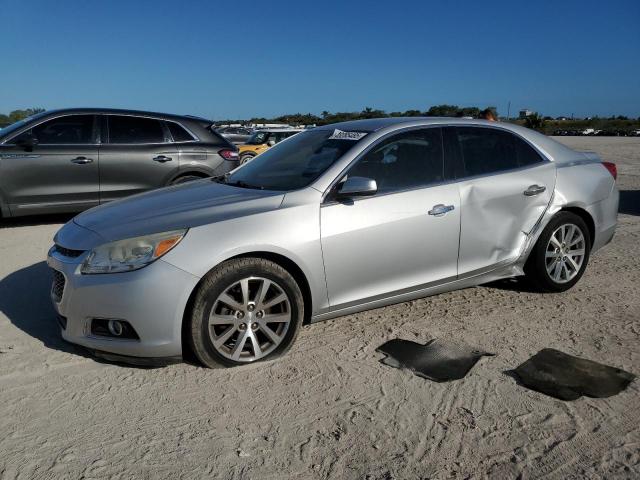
{"type": "Point", "coordinates": [536, 266]}
{"type": "Point", "coordinates": [185, 179]}
{"type": "Point", "coordinates": [215, 284]}
{"type": "Point", "coordinates": [245, 158]}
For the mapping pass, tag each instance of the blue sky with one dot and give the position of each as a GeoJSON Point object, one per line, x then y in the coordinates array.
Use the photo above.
{"type": "Point", "coordinates": [238, 59]}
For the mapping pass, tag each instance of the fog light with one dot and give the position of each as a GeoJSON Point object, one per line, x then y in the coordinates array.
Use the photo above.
{"type": "Point", "coordinates": [115, 328]}
{"type": "Point", "coordinates": [107, 327]}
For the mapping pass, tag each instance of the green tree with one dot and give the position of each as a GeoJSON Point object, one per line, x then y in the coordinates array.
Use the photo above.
{"type": "Point", "coordinates": [443, 111]}
{"type": "Point", "coordinates": [534, 121]}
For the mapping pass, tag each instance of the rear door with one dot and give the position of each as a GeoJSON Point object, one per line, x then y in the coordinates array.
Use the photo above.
{"type": "Point", "coordinates": [505, 186]}
{"type": "Point", "coordinates": [58, 174]}
{"type": "Point", "coordinates": [136, 155]}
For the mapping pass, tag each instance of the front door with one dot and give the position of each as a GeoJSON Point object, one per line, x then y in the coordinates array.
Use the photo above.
{"type": "Point", "coordinates": [136, 155]}
{"type": "Point", "coordinates": [505, 187]}
{"type": "Point", "coordinates": [402, 238]}
{"type": "Point", "coordinates": [58, 173]}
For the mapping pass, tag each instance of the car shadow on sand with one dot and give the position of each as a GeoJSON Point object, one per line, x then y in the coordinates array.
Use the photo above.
{"type": "Point", "coordinates": [629, 202]}
{"type": "Point", "coordinates": [25, 300]}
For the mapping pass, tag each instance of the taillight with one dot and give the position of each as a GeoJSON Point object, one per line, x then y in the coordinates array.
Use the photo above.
{"type": "Point", "coordinates": [228, 154]}
{"type": "Point", "coordinates": [613, 170]}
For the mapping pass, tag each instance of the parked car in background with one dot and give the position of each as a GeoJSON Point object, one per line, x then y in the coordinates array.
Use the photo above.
{"type": "Point", "coordinates": [336, 220]}
{"type": "Point", "coordinates": [70, 160]}
{"type": "Point", "coordinates": [235, 134]}
{"type": "Point", "coordinates": [262, 140]}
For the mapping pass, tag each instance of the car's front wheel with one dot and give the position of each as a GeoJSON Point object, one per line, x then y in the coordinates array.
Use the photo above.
{"type": "Point", "coordinates": [246, 310]}
{"type": "Point", "coordinates": [561, 254]}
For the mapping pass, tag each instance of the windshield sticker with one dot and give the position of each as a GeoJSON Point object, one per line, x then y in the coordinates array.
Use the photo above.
{"type": "Point", "coordinates": [341, 135]}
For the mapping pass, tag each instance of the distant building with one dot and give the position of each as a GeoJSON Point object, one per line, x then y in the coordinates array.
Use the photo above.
{"type": "Point", "coordinates": [562, 118]}
{"type": "Point", "coordinates": [525, 113]}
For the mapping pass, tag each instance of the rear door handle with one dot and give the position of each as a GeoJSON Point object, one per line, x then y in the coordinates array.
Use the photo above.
{"type": "Point", "coordinates": [440, 209]}
{"type": "Point", "coordinates": [162, 159]}
{"type": "Point", "coordinates": [82, 160]}
{"type": "Point", "coordinates": [534, 190]}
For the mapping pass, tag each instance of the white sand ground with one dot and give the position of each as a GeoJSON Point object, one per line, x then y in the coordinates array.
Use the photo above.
{"type": "Point", "coordinates": [329, 409]}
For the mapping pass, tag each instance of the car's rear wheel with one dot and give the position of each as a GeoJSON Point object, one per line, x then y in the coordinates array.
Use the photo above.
{"type": "Point", "coordinates": [245, 158]}
{"type": "Point", "coordinates": [246, 310]}
{"type": "Point", "coordinates": [185, 179]}
{"type": "Point", "coordinates": [561, 254]}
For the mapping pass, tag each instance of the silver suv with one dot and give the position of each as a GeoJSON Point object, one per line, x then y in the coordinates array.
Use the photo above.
{"type": "Point", "coordinates": [70, 160]}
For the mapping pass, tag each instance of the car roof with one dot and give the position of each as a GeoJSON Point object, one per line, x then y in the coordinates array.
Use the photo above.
{"type": "Point", "coordinates": [552, 148]}
{"type": "Point", "coordinates": [119, 111]}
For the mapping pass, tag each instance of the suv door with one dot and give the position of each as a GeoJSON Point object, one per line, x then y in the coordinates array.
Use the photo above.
{"type": "Point", "coordinates": [400, 239]}
{"type": "Point", "coordinates": [57, 174]}
{"type": "Point", "coordinates": [135, 155]}
{"type": "Point", "coordinates": [505, 187]}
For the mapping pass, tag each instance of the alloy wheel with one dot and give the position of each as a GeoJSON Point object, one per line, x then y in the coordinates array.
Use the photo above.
{"type": "Point", "coordinates": [565, 253]}
{"type": "Point", "coordinates": [249, 319]}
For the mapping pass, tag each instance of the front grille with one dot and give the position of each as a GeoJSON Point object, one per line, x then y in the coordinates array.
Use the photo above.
{"type": "Point", "coordinates": [57, 286]}
{"type": "Point", "coordinates": [67, 252]}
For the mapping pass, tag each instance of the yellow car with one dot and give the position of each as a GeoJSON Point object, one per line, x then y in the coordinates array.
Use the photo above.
{"type": "Point", "coordinates": [262, 140]}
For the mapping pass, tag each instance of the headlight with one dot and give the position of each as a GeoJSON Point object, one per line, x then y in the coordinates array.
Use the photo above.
{"type": "Point", "coordinates": [131, 253]}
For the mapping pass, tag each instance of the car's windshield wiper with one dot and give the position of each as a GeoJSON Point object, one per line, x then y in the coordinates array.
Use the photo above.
{"type": "Point", "coordinates": [241, 184]}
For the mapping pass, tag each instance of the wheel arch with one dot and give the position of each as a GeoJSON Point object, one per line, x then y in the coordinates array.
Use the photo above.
{"type": "Point", "coordinates": [190, 172]}
{"type": "Point", "coordinates": [279, 259]}
{"type": "Point", "coordinates": [586, 217]}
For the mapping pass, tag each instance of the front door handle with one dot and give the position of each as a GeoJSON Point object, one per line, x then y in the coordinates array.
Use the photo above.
{"type": "Point", "coordinates": [82, 160]}
{"type": "Point", "coordinates": [534, 190]}
{"type": "Point", "coordinates": [440, 209]}
{"type": "Point", "coordinates": [162, 159]}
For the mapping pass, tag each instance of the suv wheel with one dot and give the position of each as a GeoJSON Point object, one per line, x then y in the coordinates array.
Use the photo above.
{"type": "Point", "coordinates": [246, 310]}
{"type": "Point", "coordinates": [561, 254]}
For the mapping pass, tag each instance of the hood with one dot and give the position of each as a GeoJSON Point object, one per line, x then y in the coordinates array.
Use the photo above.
{"type": "Point", "coordinates": [172, 208]}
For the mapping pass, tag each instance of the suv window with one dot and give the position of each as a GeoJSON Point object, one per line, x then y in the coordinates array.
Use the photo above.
{"type": "Point", "coordinates": [67, 130]}
{"type": "Point", "coordinates": [178, 133]}
{"type": "Point", "coordinates": [126, 129]}
{"type": "Point", "coordinates": [409, 160]}
{"type": "Point", "coordinates": [488, 150]}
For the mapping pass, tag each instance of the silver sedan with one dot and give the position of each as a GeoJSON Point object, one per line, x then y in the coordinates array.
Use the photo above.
{"type": "Point", "coordinates": [335, 220]}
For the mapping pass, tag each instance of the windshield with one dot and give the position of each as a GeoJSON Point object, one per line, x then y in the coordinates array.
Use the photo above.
{"type": "Point", "coordinates": [295, 163]}
{"type": "Point", "coordinates": [258, 138]}
{"type": "Point", "coordinates": [19, 124]}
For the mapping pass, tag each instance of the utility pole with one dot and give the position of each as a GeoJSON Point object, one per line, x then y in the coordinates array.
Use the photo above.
{"type": "Point", "coordinates": [508, 110]}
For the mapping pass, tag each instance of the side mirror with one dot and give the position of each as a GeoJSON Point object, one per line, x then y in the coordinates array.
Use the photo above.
{"type": "Point", "coordinates": [27, 142]}
{"type": "Point", "coordinates": [271, 143]}
{"type": "Point", "coordinates": [357, 187]}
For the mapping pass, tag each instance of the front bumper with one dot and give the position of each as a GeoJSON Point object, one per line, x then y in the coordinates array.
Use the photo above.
{"type": "Point", "coordinates": [152, 299]}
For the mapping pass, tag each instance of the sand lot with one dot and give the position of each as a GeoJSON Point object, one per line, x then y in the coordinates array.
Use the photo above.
{"type": "Point", "coordinates": [329, 409]}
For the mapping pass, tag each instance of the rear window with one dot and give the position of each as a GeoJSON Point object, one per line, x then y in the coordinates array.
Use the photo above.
{"type": "Point", "coordinates": [127, 129]}
{"type": "Point", "coordinates": [178, 133]}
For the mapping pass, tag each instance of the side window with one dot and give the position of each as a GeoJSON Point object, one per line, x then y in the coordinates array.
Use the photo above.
{"type": "Point", "coordinates": [409, 160]}
{"type": "Point", "coordinates": [67, 130]}
{"type": "Point", "coordinates": [126, 129]}
{"type": "Point", "coordinates": [486, 150]}
{"type": "Point", "coordinates": [526, 153]}
{"type": "Point", "coordinates": [178, 133]}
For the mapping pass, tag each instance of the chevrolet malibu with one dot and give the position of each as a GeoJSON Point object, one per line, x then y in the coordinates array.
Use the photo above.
{"type": "Point", "coordinates": [332, 221]}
